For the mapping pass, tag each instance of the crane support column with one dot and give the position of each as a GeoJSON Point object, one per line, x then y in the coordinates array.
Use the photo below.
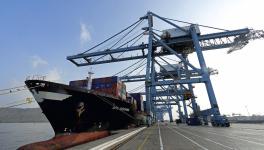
{"type": "Point", "coordinates": [185, 110]}
{"type": "Point", "coordinates": [184, 106]}
{"type": "Point", "coordinates": [205, 73]}
{"type": "Point", "coordinates": [170, 113]}
{"type": "Point", "coordinates": [190, 87]}
{"type": "Point", "coordinates": [180, 112]}
{"type": "Point", "coordinates": [153, 88]}
{"type": "Point", "coordinates": [148, 70]}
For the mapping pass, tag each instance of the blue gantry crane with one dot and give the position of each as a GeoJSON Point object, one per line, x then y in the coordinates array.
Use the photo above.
{"type": "Point", "coordinates": [173, 84]}
{"type": "Point", "coordinates": [160, 112]}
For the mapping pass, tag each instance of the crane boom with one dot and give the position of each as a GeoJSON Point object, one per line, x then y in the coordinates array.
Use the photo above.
{"type": "Point", "coordinates": [235, 40]}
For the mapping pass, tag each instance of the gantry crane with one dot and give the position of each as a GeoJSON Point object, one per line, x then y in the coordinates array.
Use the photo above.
{"type": "Point", "coordinates": [174, 86]}
{"type": "Point", "coordinates": [160, 112]}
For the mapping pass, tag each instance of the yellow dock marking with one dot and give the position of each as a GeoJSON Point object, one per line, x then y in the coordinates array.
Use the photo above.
{"type": "Point", "coordinates": [145, 140]}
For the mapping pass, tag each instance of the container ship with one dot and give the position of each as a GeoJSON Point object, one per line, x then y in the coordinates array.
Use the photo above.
{"type": "Point", "coordinates": [87, 105]}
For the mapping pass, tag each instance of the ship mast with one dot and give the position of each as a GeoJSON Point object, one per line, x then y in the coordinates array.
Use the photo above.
{"type": "Point", "coordinates": [89, 80]}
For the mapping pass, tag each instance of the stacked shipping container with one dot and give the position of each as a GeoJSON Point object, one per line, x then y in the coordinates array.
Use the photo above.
{"type": "Point", "coordinates": [79, 83]}
{"type": "Point", "coordinates": [139, 98]}
{"type": "Point", "coordinates": [132, 101]}
{"type": "Point", "coordinates": [110, 85]}
{"type": "Point", "coordinates": [113, 86]}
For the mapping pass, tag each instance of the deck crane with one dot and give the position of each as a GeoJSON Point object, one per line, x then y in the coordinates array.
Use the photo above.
{"type": "Point", "coordinates": [179, 42]}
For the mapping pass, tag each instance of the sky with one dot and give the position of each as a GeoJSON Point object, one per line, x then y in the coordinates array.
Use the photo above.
{"type": "Point", "coordinates": [37, 36]}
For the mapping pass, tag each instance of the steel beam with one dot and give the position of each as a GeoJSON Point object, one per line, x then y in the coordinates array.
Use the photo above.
{"type": "Point", "coordinates": [148, 70]}
{"type": "Point", "coordinates": [190, 87]}
{"type": "Point", "coordinates": [159, 104]}
{"type": "Point", "coordinates": [221, 37]}
{"type": "Point", "coordinates": [204, 69]}
{"type": "Point", "coordinates": [183, 81]}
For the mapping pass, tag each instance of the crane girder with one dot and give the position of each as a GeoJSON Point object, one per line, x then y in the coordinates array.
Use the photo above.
{"type": "Point", "coordinates": [208, 42]}
{"type": "Point", "coordinates": [137, 78]}
{"type": "Point", "coordinates": [158, 104]}
{"type": "Point", "coordinates": [243, 40]}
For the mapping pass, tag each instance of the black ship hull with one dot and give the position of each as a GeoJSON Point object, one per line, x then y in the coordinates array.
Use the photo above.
{"type": "Point", "coordinates": [73, 109]}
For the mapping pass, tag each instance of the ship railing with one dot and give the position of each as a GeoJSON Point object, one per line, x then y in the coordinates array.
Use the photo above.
{"type": "Point", "coordinates": [36, 77]}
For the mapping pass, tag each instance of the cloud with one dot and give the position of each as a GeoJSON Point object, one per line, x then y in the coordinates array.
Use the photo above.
{"type": "Point", "coordinates": [37, 61]}
{"type": "Point", "coordinates": [85, 35]}
{"type": "Point", "coordinates": [53, 75]}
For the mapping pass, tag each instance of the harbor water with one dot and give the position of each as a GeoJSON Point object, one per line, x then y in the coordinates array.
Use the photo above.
{"type": "Point", "coordinates": [14, 135]}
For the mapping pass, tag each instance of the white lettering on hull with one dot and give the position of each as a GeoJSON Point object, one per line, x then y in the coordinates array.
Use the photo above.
{"type": "Point", "coordinates": [120, 108]}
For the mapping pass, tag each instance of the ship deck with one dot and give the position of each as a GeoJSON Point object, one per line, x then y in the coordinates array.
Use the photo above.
{"type": "Point", "coordinates": [171, 136]}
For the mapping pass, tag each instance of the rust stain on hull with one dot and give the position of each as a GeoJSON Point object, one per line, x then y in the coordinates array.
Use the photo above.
{"type": "Point", "coordinates": [65, 141]}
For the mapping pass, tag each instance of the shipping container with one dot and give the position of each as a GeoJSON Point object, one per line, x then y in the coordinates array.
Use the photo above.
{"type": "Point", "coordinates": [129, 98]}
{"type": "Point", "coordinates": [176, 32]}
{"type": "Point", "coordinates": [132, 101]}
{"type": "Point", "coordinates": [170, 68]}
{"type": "Point", "coordinates": [110, 85]}
{"type": "Point", "coordinates": [123, 91]}
{"type": "Point", "coordinates": [113, 79]}
{"type": "Point", "coordinates": [79, 83]}
{"type": "Point", "coordinates": [139, 98]}
{"type": "Point", "coordinates": [145, 106]}
{"type": "Point", "coordinates": [111, 89]}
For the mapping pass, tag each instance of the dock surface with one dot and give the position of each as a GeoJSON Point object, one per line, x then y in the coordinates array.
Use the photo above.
{"type": "Point", "coordinates": [169, 136]}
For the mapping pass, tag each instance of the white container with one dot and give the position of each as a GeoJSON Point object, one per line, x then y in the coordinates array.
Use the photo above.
{"type": "Point", "coordinates": [170, 68]}
{"type": "Point", "coordinates": [175, 32]}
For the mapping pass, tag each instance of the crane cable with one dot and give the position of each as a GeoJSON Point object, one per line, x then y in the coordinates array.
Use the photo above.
{"type": "Point", "coordinates": [111, 37]}
{"type": "Point", "coordinates": [197, 24]}
{"type": "Point", "coordinates": [7, 89]}
{"type": "Point", "coordinates": [141, 70]}
{"type": "Point", "coordinates": [138, 36]}
{"type": "Point", "coordinates": [128, 67]}
{"type": "Point", "coordinates": [137, 88]}
{"type": "Point", "coordinates": [138, 33]}
{"type": "Point", "coordinates": [122, 44]}
{"type": "Point", "coordinates": [18, 103]}
{"type": "Point", "coordinates": [126, 34]}
{"type": "Point", "coordinates": [140, 65]}
{"type": "Point", "coordinates": [11, 91]}
{"type": "Point", "coordinates": [115, 40]}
